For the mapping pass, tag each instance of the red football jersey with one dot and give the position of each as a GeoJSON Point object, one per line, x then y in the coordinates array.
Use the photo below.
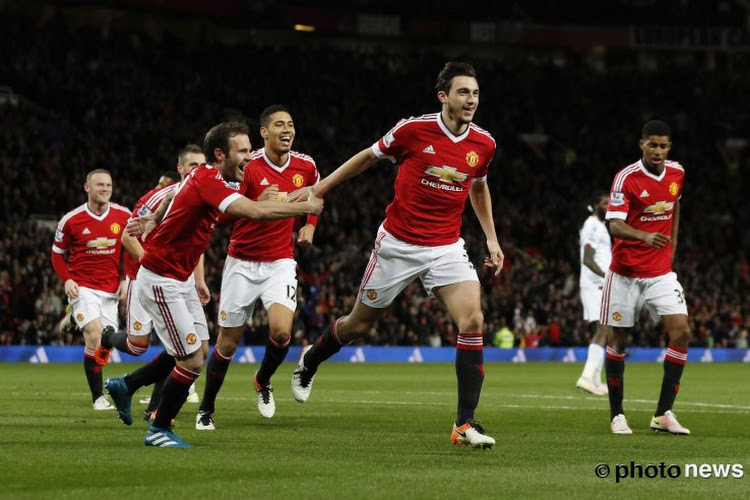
{"type": "Point", "coordinates": [94, 245]}
{"type": "Point", "coordinates": [268, 240]}
{"type": "Point", "coordinates": [645, 202]}
{"type": "Point", "coordinates": [147, 204]}
{"type": "Point", "coordinates": [178, 242]}
{"type": "Point", "coordinates": [436, 169]}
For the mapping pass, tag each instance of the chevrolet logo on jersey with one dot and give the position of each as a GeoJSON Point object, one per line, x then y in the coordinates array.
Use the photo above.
{"type": "Point", "coordinates": [660, 207]}
{"type": "Point", "coordinates": [447, 174]}
{"type": "Point", "coordinates": [101, 243]}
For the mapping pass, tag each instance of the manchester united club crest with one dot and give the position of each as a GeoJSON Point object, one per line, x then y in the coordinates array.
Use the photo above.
{"type": "Point", "coordinates": [191, 338]}
{"type": "Point", "coordinates": [115, 228]}
{"type": "Point", "coordinates": [298, 180]}
{"type": "Point", "coordinates": [137, 326]}
{"type": "Point", "coordinates": [472, 158]}
{"type": "Point", "coordinates": [79, 317]}
{"type": "Point", "coordinates": [617, 317]}
{"type": "Point", "coordinates": [673, 189]}
{"type": "Point", "coordinates": [223, 315]}
{"type": "Point", "coordinates": [372, 294]}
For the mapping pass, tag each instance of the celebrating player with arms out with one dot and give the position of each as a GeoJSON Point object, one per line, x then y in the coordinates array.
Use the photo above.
{"type": "Point", "coordinates": [443, 158]}
{"type": "Point", "coordinates": [260, 264]}
{"type": "Point", "coordinates": [91, 236]}
{"type": "Point", "coordinates": [643, 216]}
{"type": "Point", "coordinates": [163, 284]}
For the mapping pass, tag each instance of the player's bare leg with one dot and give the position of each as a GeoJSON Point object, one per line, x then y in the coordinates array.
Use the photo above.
{"type": "Point", "coordinates": [614, 365]}
{"type": "Point", "coordinates": [343, 331]}
{"type": "Point", "coordinates": [462, 301]}
{"type": "Point", "coordinates": [674, 363]}
{"type": "Point", "coordinates": [590, 380]}
{"type": "Point", "coordinates": [216, 370]}
{"type": "Point", "coordinates": [94, 358]}
{"type": "Point", "coordinates": [280, 319]}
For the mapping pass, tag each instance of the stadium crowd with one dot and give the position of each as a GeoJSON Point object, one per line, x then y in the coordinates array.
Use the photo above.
{"type": "Point", "coordinates": [125, 102]}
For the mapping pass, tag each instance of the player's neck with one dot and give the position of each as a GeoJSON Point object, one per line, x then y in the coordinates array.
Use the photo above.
{"type": "Point", "coordinates": [98, 208]}
{"type": "Point", "coordinates": [452, 123]}
{"type": "Point", "coordinates": [654, 169]}
{"type": "Point", "coordinates": [278, 159]}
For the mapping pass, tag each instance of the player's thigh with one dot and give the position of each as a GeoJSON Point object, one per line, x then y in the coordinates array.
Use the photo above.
{"type": "Point", "coordinates": [463, 303]}
{"type": "Point", "coordinates": [620, 298]}
{"type": "Point", "coordinates": [450, 265]}
{"type": "Point", "coordinates": [92, 304]}
{"type": "Point", "coordinates": [664, 296]}
{"type": "Point", "coordinates": [241, 286]}
{"type": "Point", "coordinates": [393, 265]}
{"type": "Point", "coordinates": [174, 310]}
{"type": "Point", "coordinates": [138, 322]}
{"type": "Point", "coordinates": [591, 300]}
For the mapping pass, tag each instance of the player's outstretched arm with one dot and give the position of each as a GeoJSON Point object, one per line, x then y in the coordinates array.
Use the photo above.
{"type": "Point", "coordinates": [481, 202]}
{"type": "Point", "coordinates": [248, 209]}
{"type": "Point", "coordinates": [621, 229]}
{"type": "Point", "coordinates": [132, 245]}
{"type": "Point", "coordinates": [350, 168]}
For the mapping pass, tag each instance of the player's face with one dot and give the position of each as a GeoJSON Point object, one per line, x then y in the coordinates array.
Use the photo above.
{"type": "Point", "coordinates": [189, 162]}
{"type": "Point", "coordinates": [236, 158]}
{"type": "Point", "coordinates": [99, 188]}
{"type": "Point", "coordinates": [601, 207]}
{"type": "Point", "coordinates": [279, 134]}
{"type": "Point", "coordinates": [655, 150]}
{"type": "Point", "coordinates": [462, 99]}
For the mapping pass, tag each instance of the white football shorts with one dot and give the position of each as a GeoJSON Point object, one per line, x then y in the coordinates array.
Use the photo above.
{"type": "Point", "coordinates": [175, 310]}
{"type": "Point", "coordinates": [624, 298]}
{"type": "Point", "coordinates": [244, 282]}
{"type": "Point", "coordinates": [92, 304]}
{"type": "Point", "coordinates": [138, 322]}
{"type": "Point", "coordinates": [394, 264]}
{"type": "Point", "coordinates": [591, 298]}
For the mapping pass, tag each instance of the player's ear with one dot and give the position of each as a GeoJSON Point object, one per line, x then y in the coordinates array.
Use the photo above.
{"type": "Point", "coordinates": [219, 154]}
{"type": "Point", "coordinates": [442, 96]}
{"type": "Point", "coordinates": [264, 132]}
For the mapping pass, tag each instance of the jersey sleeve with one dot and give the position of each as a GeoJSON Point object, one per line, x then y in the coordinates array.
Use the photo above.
{"type": "Point", "coordinates": [312, 180]}
{"type": "Point", "coordinates": [217, 192]}
{"type": "Point", "coordinates": [482, 171]}
{"type": "Point", "coordinates": [392, 144]}
{"type": "Point", "coordinates": [62, 242]}
{"type": "Point", "coordinates": [619, 203]}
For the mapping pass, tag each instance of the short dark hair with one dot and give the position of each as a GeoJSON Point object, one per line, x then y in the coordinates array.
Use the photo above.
{"type": "Point", "coordinates": [172, 175]}
{"type": "Point", "coordinates": [657, 128]}
{"type": "Point", "coordinates": [598, 197]}
{"type": "Point", "coordinates": [97, 171]}
{"type": "Point", "coordinates": [219, 135]}
{"type": "Point", "coordinates": [451, 70]}
{"type": "Point", "coordinates": [188, 148]}
{"type": "Point", "coordinates": [265, 116]}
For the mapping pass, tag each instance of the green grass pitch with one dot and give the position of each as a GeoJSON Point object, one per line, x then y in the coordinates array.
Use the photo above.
{"type": "Point", "coordinates": [374, 431]}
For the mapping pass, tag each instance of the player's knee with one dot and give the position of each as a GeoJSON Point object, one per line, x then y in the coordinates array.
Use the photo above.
{"type": "Point", "coordinates": [472, 322]}
{"type": "Point", "coordinates": [280, 336]}
{"type": "Point", "coordinates": [357, 328]}
{"type": "Point", "coordinates": [681, 337]}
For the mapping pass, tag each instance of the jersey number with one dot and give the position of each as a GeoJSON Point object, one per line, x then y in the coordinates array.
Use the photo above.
{"type": "Point", "coordinates": [680, 296]}
{"type": "Point", "coordinates": [291, 292]}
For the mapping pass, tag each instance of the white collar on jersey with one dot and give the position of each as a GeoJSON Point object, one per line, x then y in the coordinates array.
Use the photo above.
{"type": "Point", "coordinates": [453, 137]}
{"type": "Point", "coordinates": [273, 165]}
{"type": "Point", "coordinates": [646, 171]}
{"type": "Point", "coordinates": [98, 217]}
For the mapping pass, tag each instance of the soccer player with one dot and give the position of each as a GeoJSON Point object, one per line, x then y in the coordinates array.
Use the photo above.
{"type": "Point", "coordinates": [443, 158]}
{"type": "Point", "coordinates": [90, 236]}
{"type": "Point", "coordinates": [260, 264]}
{"type": "Point", "coordinates": [596, 254]}
{"type": "Point", "coordinates": [135, 340]}
{"type": "Point", "coordinates": [644, 216]}
{"type": "Point", "coordinates": [164, 285]}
